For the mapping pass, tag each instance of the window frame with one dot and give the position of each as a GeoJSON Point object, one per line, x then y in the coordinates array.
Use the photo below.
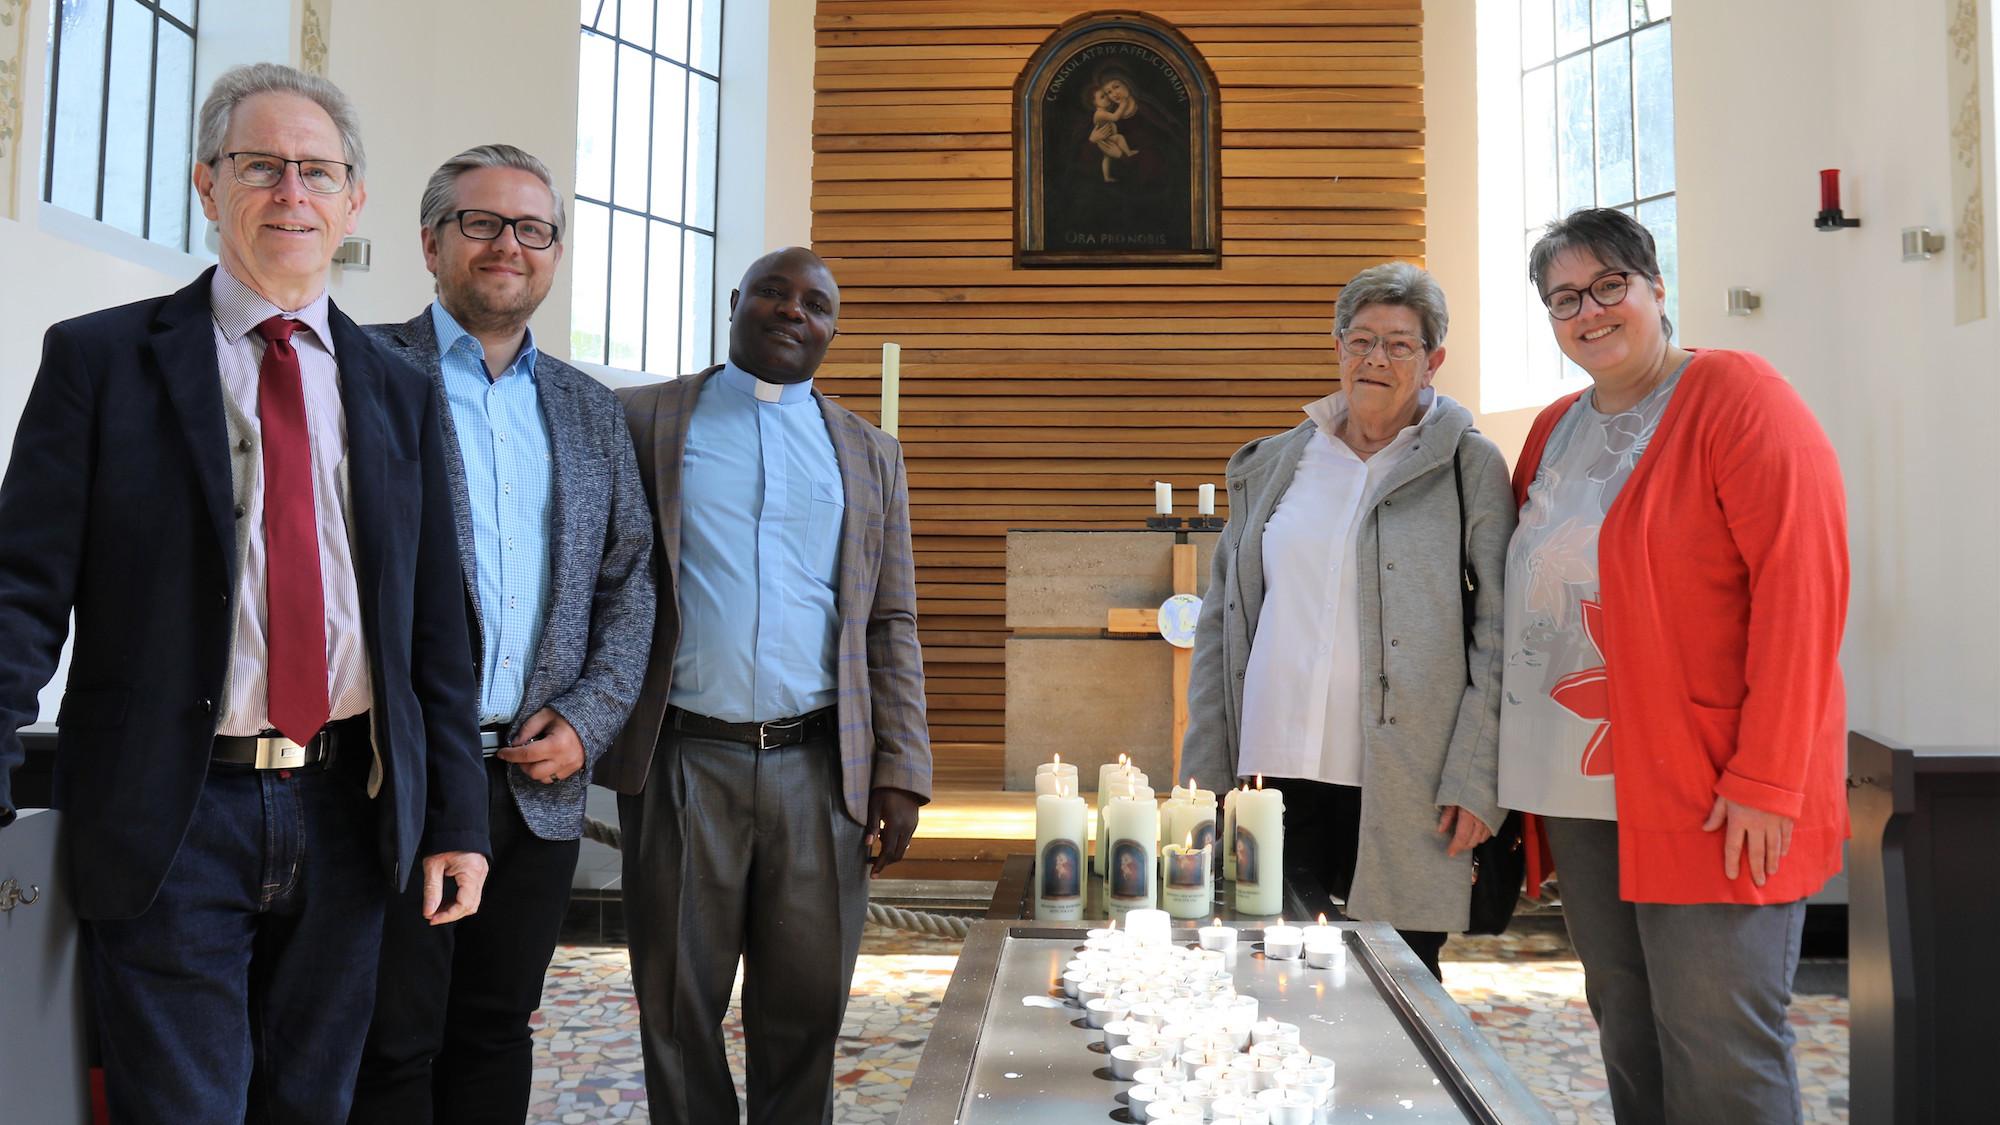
{"type": "Point", "coordinates": [189, 27]}
{"type": "Point", "coordinates": [690, 309]}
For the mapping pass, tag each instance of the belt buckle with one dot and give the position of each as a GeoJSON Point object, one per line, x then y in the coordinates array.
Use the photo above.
{"type": "Point", "coordinates": [279, 754]}
{"type": "Point", "coordinates": [780, 725]}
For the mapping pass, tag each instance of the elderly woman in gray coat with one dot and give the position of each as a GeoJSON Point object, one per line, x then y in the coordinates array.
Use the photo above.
{"type": "Point", "coordinates": [1332, 656]}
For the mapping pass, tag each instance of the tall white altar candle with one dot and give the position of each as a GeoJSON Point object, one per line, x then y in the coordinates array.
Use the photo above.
{"type": "Point", "coordinates": [1188, 878]}
{"type": "Point", "coordinates": [1260, 850]}
{"type": "Point", "coordinates": [1053, 777]}
{"type": "Point", "coordinates": [892, 379]}
{"type": "Point", "coordinates": [1131, 863]}
{"type": "Point", "coordinates": [1228, 841]}
{"type": "Point", "coordinates": [1059, 844]}
{"type": "Point", "coordinates": [1190, 814]}
{"type": "Point", "coordinates": [1104, 794]}
{"type": "Point", "coordinates": [1205, 500]}
{"type": "Point", "coordinates": [1163, 498]}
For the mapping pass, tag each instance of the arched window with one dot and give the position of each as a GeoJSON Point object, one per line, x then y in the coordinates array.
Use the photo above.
{"type": "Point", "coordinates": [642, 242]}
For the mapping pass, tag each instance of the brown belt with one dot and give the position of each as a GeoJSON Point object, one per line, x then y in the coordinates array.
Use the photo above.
{"type": "Point", "coordinates": [768, 735]}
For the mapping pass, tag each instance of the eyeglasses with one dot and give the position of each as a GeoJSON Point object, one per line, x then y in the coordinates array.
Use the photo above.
{"type": "Point", "coordinates": [1400, 349]}
{"type": "Point", "coordinates": [485, 226]}
{"type": "Point", "coordinates": [1565, 303]}
{"type": "Point", "coordinates": [263, 170]}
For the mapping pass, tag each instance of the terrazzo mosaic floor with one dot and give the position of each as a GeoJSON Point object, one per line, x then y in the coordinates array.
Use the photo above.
{"type": "Point", "coordinates": [1525, 991]}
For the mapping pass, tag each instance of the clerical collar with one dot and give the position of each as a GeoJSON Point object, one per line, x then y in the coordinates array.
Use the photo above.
{"type": "Point", "coordinates": [778, 394]}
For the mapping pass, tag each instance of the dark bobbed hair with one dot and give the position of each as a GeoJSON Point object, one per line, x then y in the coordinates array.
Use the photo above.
{"type": "Point", "coordinates": [1612, 237]}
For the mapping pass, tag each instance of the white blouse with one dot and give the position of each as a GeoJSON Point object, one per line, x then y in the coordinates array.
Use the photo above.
{"type": "Point", "coordinates": [1302, 689]}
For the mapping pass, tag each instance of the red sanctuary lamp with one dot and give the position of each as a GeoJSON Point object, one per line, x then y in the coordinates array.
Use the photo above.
{"type": "Point", "coordinates": [1829, 217]}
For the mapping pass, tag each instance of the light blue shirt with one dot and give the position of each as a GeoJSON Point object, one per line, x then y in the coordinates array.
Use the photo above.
{"type": "Point", "coordinates": [761, 506]}
{"type": "Point", "coordinates": [504, 441]}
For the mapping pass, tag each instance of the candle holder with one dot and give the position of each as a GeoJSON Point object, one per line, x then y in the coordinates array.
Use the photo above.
{"type": "Point", "coordinates": [1834, 220]}
{"type": "Point", "coordinates": [1165, 523]}
{"type": "Point", "coordinates": [1206, 523]}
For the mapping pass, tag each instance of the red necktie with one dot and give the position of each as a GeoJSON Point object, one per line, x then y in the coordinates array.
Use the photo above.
{"type": "Point", "coordinates": [295, 606]}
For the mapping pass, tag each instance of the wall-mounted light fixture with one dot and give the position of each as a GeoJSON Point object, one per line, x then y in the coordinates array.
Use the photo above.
{"type": "Point", "coordinates": [354, 253]}
{"type": "Point", "coordinates": [1743, 302]}
{"type": "Point", "coordinates": [1921, 244]}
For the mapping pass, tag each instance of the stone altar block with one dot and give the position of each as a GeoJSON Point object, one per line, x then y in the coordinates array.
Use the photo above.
{"type": "Point", "coordinates": [1072, 689]}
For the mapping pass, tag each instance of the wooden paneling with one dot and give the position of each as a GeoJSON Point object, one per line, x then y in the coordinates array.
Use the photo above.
{"type": "Point", "coordinates": [1055, 397]}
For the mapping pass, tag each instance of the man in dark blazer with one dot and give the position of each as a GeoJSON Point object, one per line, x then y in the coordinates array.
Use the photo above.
{"type": "Point", "coordinates": [555, 544]}
{"type": "Point", "coordinates": [268, 715]}
{"type": "Point", "coordinates": [780, 732]}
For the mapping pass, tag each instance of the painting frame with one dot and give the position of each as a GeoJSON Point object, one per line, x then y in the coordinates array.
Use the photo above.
{"type": "Point", "coordinates": [1085, 195]}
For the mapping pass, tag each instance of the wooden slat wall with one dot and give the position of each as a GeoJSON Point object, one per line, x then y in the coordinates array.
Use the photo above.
{"type": "Point", "coordinates": [1054, 397]}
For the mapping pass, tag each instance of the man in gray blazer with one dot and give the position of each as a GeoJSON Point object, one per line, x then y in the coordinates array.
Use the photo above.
{"type": "Point", "coordinates": [780, 732]}
{"type": "Point", "coordinates": [556, 549]}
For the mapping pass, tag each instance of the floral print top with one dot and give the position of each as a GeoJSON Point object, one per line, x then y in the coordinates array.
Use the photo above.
{"type": "Point", "coordinates": [1556, 740]}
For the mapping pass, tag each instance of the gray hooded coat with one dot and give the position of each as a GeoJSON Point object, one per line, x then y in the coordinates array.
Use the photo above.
{"type": "Point", "coordinates": [1429, 731]}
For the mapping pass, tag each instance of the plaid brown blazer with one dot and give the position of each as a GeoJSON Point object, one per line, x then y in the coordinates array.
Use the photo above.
{"type": "Point", "coordinates": [884, 733]}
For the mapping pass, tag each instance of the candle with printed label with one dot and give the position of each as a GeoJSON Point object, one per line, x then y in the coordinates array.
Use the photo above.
{"type": "Point", "coordinates": [1059, 844]}
{"type": "Point", "coordinates": [1260, 850]}
{"type": "Point", "coordinates": [1189, 882]}
{"type": "Point", "coordinates": [1132, 833]}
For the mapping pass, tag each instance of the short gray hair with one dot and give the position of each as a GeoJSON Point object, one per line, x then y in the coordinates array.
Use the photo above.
{"type": "Point", "coordinates": [241, 83]}
{"type": "Point", "coordinates": [442, 192]}
{"type": "Point", "coordinates": [1395, 283]}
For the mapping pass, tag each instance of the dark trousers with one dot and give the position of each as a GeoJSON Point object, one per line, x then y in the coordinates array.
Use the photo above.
{"type": "Point", "coordinates": [450, 1041]}
{"type": "Point", "coordinates": [735, 852]}
{"type": "Point", "coordinates": [1692, 1001]}
{"type": "Point", "coordinates": [242, 992]}
{"type": "Point", "coordinates": [1323, 835]}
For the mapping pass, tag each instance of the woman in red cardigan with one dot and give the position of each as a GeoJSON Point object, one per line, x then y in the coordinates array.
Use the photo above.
{"type": "Point", "coordinates": [1672, 703]}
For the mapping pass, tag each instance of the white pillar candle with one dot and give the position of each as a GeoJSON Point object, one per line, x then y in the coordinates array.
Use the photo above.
{"type": "Point", "coordinates": [1163, 498]}
{"type": "Point", "coordinates": [1188, 884]}
{"type": "Point", "coordinates": [1260, 851]}
{"type": "Point", "coordinates": [1059, 844]}
{"type": "Point", "coordinates": [1189, 812]}
{"type": "Point", "coordinates": [1054, 777]}
{"type": "Point", "coordinates": [1131, 857]}
{"type": "Point", "coordinates": [1107, 787]}
{"type": "Point", "coordinates": [1282, 942]}
{"type": "Point", "coordinates": [1228, 841]}
{"type": "Point", "coordinates": [892, 378]}
{"type": "Point", "coordinates": [1218, 937]}
{"type": "Point", "coordinates": [1205, 500]}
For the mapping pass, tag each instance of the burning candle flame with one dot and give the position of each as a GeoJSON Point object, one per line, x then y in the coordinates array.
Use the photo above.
{"type": "Point", "coordinates": [1188, 844]}
{"type": "Point", "coordinates": [1260, 781]}
{"type": "Point", "coordinates": [1218, 919]}
{"type": "Point", "coordinates": [1058, 760]}
{"type": "Point", "coordinates": [1322, 919]}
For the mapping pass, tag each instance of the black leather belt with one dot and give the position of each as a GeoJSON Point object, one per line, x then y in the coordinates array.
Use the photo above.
{"type": "Point", "coordinates": [768, 735]}
{"type": "Point", "coordinates": [273, 751]}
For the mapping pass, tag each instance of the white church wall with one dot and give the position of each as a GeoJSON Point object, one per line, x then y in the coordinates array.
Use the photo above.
{"type": "Point", "coordinates": [1765, 95]}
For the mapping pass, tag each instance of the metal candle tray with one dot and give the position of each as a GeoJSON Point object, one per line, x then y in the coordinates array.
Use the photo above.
{"type": "Point", "coordinates": [1403, 1050]}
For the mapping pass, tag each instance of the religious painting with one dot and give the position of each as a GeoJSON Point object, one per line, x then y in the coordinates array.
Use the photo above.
{"type": "Point", "coordinates": [1204, 835]}
{"type": "Point", "coordinates": [1117, 131]}
{"type": "Point", "coordinates": [1246, 856]}
{"type": "Point", "coordinates": [1129, 865]}
{"type": "Point", "coordinates": [1186, 869]}
{"type": "Point", "coordinates": [1061, 870]}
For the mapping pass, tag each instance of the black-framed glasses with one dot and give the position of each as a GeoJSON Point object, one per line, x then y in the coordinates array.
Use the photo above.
{"type": "Point", "coordinates": [1361, 345]}
{"type": "Point", "coordinates": [1608, 290]}
{"type": "Point", "coordinates": [263, 170]}
{"type": "Point", "coordinates": [485, 226]}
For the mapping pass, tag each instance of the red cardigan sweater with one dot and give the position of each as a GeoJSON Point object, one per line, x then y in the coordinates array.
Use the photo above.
{"type": "Point", "coordinates": [1723, 575]}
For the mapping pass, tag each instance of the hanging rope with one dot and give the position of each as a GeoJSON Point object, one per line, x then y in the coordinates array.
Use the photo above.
{"type": "Point", "coordinates": [894, 917]}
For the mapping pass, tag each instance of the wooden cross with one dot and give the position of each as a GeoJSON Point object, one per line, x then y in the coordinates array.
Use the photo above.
{"type": "Point", "coordinates": [1146, 623]}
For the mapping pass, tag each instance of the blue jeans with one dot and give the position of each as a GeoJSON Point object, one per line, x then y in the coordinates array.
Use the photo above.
{"type": "Point", "coordinates": [243, 992]}
{"type": "Point", "coordinates": [1691, 1001]}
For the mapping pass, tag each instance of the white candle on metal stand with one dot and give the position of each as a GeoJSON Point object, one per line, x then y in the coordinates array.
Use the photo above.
{"type": "Point", "coordinates": [1105, 774]}
{"type": "Point", "coordinates": [1260, 850]}
{"type": "Point", "coordinates": [1131, 859]}
{"type": "Point", "coordinates": [1051, 776]}
{"type": "Point", "coordinates": [1059, 844]}
{"type": "Point", "coordinates": [1163, 498]}
{"type": "Point", "coordinates": [1205, 500]}
{"type": "Point", "coordinates": [892, 375]}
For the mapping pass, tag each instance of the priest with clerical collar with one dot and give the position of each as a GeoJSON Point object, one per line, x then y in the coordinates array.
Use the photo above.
{"type": "Point", "coordinates": [780, 735]}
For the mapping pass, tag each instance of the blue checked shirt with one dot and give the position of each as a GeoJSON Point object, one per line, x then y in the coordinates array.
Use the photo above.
{"type": "Point", "coordinates": [504, 441]}
{"type": "Point", "coordinates": [761, 506]}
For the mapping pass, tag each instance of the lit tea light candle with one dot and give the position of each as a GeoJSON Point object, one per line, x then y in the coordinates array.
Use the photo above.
{"type": "Point", "coordinates": [1151, 929]}
{"type": "Point", "coordinates": [1282, 942]}
{"type": "Point", "coordinates": [1325, 953]}
{"type": "Point", "coordinates": [1282, 1050]}
{"type": "Point", "coordinates": [1288, 1105]}
{"type": "Point", "coordinates": [1145, 1095]}
{"type": "Point", "coordinates": [1117, 1033]}
{"type": "Point", "coordinates": [1126, 1061]}
{"type": "Point", "coordinates": [1104, 1010]}
{"type": "Point", "coordinates": [1273, 1031]}
{"type": "Point", "coordinates": [1322, 931]}
{"type": "Point", "coordinates": [1177, 1111]}
{"type": "Point", "coordinates": [1263, 1071]}
{"type": "Point", "coordinates": [1160, 1077]}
